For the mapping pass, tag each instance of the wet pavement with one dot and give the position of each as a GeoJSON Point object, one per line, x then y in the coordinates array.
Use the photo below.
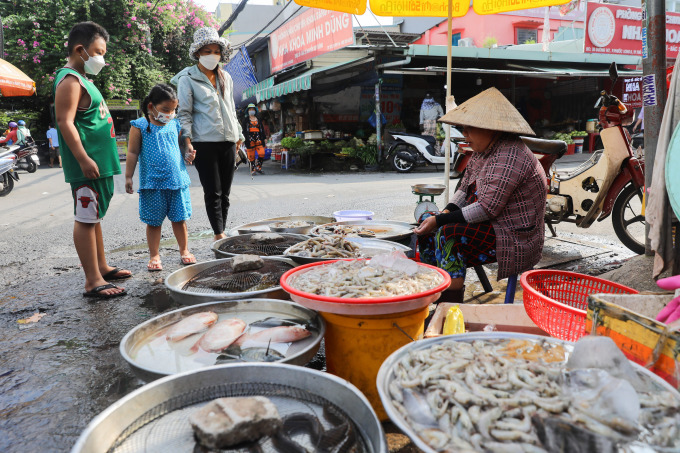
{"type": "Point", "coordinates": [58, 373]}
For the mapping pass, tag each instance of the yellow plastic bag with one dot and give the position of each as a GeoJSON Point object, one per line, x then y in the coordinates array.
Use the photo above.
{"type": "Point", "coordinates": [454, 323]}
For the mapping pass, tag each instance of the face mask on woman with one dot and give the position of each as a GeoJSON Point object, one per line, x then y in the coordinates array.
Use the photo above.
{"type": "Point", "coordinates": [163, 117]}
{"type": "Point", "coordinates": [94, 64]}
{"type": "Point", "coordinates": [209, 62]}
{"type": "Point", "coordinates": [251, 112]}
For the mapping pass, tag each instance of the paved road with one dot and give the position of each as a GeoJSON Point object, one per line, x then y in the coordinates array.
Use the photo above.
{"type": "Point", "coordinates": [57, 374]}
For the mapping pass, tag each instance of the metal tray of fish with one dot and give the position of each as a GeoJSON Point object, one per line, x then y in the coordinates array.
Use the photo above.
{"type": "Point", "coordinates": [386, 378]}
{"type": "Point", "coordinates": [155, 418]}
{"type": "Point", "coordinates": [237, 245]}
{"type": "Point", "coordinates": [262, 226]}
{"type": "Point", "coordinates": [369, 248]}
{"type": "Point", "coordinates": [176, 281]}
{"type": "Point", "coordinates": [428, 189]}
{"type": "Point", "coordinates": [388, 230]}
{"type": "Point", "coordinates": [152, 356]}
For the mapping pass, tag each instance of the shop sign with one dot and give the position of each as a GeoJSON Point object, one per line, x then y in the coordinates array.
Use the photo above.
{"type": "Point", "coordinates": [313, 33]}
{"type": "Point", "coordinates": [504, 6]}
{"type": "Point", "coordinates": [618, 30]}
{"type": "Point", "coordinates": [631, 92]}
{"type": "Point", "coordinates": [121, 104]}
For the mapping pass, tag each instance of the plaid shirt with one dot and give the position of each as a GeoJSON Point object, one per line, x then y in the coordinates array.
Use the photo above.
{"type": "Point", "coordinates": [511, 193]}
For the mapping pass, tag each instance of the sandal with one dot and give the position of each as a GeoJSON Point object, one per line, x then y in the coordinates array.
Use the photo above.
{"type": "Point", "coordinates": [113, 274]}
{"type": "Point", "coordinates": [97, 292]}
{"type": "Point", "coordinates": [188, 259]}
{"type": "Point", "coordinates": [154, 265]}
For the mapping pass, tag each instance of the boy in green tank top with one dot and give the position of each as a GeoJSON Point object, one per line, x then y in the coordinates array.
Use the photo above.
{"type": "Point", "coordinates": [88, 153]}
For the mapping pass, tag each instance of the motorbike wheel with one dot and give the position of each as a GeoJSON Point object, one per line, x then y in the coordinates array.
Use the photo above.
{"type": "Point", "coordinates": [399, 164]}
{"type": "Point", "coordinates": [7, 184]}
{"type": "Point", "coordinates": [627, 219]}
{"type": "Point", "coordinates": [32, 167]}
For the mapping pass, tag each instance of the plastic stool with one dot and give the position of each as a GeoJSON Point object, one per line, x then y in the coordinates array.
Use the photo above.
{"type": "Point", "coordinates": [512, 288]}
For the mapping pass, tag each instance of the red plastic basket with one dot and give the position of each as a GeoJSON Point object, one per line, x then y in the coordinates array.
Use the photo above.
{"type": "Point", "coordinates": [557, 300]}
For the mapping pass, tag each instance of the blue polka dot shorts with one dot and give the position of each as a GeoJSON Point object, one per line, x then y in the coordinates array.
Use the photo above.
{"type": "Point", "coordinates": [157, 204]}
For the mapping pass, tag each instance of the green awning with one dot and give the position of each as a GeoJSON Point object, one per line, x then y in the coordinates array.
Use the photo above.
{"type": "Point", "coordinates": [268, 90]}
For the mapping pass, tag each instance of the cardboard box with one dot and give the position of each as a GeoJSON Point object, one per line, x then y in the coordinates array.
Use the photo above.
{"type": "Point", "coordinates": [506, 318]}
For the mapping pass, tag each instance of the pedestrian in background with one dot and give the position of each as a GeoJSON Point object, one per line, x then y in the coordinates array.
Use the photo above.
{"type": "Point", "coordinates": [53, 142]}
{"type": "Point", "coordinates": [163, 178]}
{"type": "Point", "coordinates": [253, 131]}
{"type": "Point", "coordinates": [207, 113]}
{"type": "Point", "coordinates": [89, 153]}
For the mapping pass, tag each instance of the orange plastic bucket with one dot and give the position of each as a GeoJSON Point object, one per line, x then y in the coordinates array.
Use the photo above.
{"type": "Point", "coordinates": [356, 346]}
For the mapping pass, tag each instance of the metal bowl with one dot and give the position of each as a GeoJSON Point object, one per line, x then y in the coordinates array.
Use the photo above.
{"type": "Point", "coordinates": [175, 281]}
{"type": "Point", "coordinates": [386, 373]}
{"type": "Point", "coordinates": [262, 226]}
{"type": "Point", "coordinates": [428, 189]}
{"type": "Point", "coordinates": [369, 248]}
{"type": "Point", "coordinates": [243, 309]}
{"type": "Point", "coordinates": [296, 230]}
{"type": "Point", "coordinates": [215, 247]}
{"type": "Point", "coordinates": [389, 230]}
{"type": "Point", "coordinates": [154, 417]}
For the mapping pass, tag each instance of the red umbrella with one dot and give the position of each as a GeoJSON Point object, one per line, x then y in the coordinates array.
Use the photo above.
{"type": "Point", "coordinates": [13, 82]}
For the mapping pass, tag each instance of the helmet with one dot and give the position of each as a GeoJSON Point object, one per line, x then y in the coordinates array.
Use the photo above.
{"type": "Point", "coordinates": [12, 125]}
{"type": "Point", "coordinates": [21, 123]}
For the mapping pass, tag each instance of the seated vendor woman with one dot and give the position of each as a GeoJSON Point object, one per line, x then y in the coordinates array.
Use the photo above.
{"type": "Point", "coordinates": [496, 215]}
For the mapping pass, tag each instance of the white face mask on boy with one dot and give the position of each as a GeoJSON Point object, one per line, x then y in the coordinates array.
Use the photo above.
{"type": "Point", "coordinates": [209, 62]}
{"type": "Point", "coordinates": [93, 65]}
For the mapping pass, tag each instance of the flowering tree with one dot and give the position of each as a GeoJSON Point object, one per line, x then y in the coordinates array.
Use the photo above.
{"type": "Point", "coordinates": [149, 40]}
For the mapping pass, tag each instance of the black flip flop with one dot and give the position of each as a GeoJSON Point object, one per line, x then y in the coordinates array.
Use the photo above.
{"type": "Point", "coordinates": [97, 292]}
{"type": "Point", "coordinates": [111, 275]}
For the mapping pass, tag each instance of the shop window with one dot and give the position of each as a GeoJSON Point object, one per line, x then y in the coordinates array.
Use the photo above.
{"type": "Point", "coordinates": [455, 38]}
{"type": "Point", "coordinates": [522, 35]}
{"type": "Point", "coordinates": [673, 6]}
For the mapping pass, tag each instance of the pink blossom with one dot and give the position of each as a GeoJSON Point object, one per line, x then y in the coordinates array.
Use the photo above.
{"type": "Point", "coordinates": [133, 18]}
{"type": "Point", "coordinates": [21, 42]}
{"type": "Point", "coordinates": [129, 25]}
{"type": "Point", "coordinates": [35, 44]}
{"type": "Point", "coordinates": [36, 25]}
{"type": "Point", "coordinates": [111, 87]}
{"type": "Point", "coordinates": [51, 78]}
{"type": "Point", "coordinates": [148, 4]}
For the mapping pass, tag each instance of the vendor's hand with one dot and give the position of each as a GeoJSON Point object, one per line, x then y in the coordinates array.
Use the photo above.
{"type": "Point", "coordinates": [128, 185]}
{"type": "Point", "coordinates": [89, 168]}
{"type": "Point", "coordinates": [428, 226]}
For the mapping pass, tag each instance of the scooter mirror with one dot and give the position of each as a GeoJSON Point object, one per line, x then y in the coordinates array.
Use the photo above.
{"type": "Point", "coordinates": [613, 73]}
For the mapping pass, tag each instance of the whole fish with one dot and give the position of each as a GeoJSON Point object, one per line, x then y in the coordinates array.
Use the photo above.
{"type": "Point", "coordinates": [196, 323]}
{"type": "Point", "coordinates": [282, 334]}
{"type": "Point", "coordinates": [221, 335]}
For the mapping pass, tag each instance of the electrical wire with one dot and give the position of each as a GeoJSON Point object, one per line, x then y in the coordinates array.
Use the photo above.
{"type": "Point", "coordinates": [245, 43]}
{"type": "Point", "coordinates": [385, 31]}
{"type": "Point", "coordinates": [362, 29]}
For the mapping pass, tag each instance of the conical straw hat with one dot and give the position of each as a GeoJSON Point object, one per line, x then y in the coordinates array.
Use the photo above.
{"type": "Point", "coordinates": [489, 110]}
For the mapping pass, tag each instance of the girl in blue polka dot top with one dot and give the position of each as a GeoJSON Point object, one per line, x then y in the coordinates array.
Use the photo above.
{"type": "Point", "coordinates": [163, 178]}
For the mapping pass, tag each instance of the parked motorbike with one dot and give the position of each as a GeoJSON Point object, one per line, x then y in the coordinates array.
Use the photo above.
{"type": "Point", "coordinates": [27, 156]}
{"type": "Point", "coordinates": [408, 151]}
{"type": "Point", "coordinates": [611, 182]}
{"type": "Point", "coordinates": [7, 175]}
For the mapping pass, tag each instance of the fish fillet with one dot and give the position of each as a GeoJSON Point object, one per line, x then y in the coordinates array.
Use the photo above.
{"type": "Point", "coordinates": [221, 335]}
{"type": "Point", "coordinates": [196, 323]}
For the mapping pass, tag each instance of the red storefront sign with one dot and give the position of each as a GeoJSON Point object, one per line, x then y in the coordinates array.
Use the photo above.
{"type": "Point", "coordinates": [309, 35]}
{"type": "Point", "coordinates": [618, 30]}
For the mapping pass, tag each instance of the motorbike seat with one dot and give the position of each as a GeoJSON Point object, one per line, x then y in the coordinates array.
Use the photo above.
{"type": "Point", "coordinates": [428, 138]}
{"type": "Point", "coordinates": [541, 146]}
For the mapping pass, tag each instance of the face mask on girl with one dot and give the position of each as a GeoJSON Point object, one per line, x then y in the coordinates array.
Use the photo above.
{"type": "Point", "coordinates": [94, 64]}
{"type": "Point", "coordinates": [209, 62]}
{"type": "Point", "coordinates": [163, 117]}
{"type": "Point", "coordinates": [251, 112]}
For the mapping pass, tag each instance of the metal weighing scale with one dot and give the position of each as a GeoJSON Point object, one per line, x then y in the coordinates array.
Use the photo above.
{"type": "Point", "coordinates": [425, 191]}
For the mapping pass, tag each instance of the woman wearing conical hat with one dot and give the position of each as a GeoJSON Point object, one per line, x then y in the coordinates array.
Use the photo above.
{"type": "Point", "coordinates": [496, 215]}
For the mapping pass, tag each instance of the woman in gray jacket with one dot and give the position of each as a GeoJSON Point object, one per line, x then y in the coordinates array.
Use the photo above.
{"type": "Point", "coordinates": [210, 127]}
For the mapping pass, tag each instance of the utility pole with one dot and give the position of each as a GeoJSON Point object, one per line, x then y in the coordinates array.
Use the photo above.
{"type": "Point", "coordinates": [654, 83]}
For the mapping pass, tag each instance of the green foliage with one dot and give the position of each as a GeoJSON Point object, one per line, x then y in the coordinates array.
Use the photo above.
{"type": "Point", "coordinates": [292, 143]}
{"type": "Point", "coordinates": [489, 42]}
{"type": "Point", "coordinates": [326, 146]}
{"type": "Point", "coordinates": [372, 140]}
{"type": "Point", "coordinates": [348, 152]}
{"type": "Point", "coordinates": [307, 149]}
{"type": "Point", "coordinates": [355, 143]}
{"type": "Point", "coordinates": [341, 144]}
{"type": "Point", "coordinates": [368, 154]}
{"type": "Point", "coordinates": [149, 40]}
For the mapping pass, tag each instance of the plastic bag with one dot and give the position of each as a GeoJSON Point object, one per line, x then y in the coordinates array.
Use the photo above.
{"type": "Point", "coordinates": [454, 323]}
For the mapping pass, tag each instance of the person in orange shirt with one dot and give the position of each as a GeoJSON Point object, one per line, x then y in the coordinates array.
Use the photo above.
{"type": "Point", "coordinates": [10, 134]}
{"type": "Point", "coordinates": [253, 131]}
